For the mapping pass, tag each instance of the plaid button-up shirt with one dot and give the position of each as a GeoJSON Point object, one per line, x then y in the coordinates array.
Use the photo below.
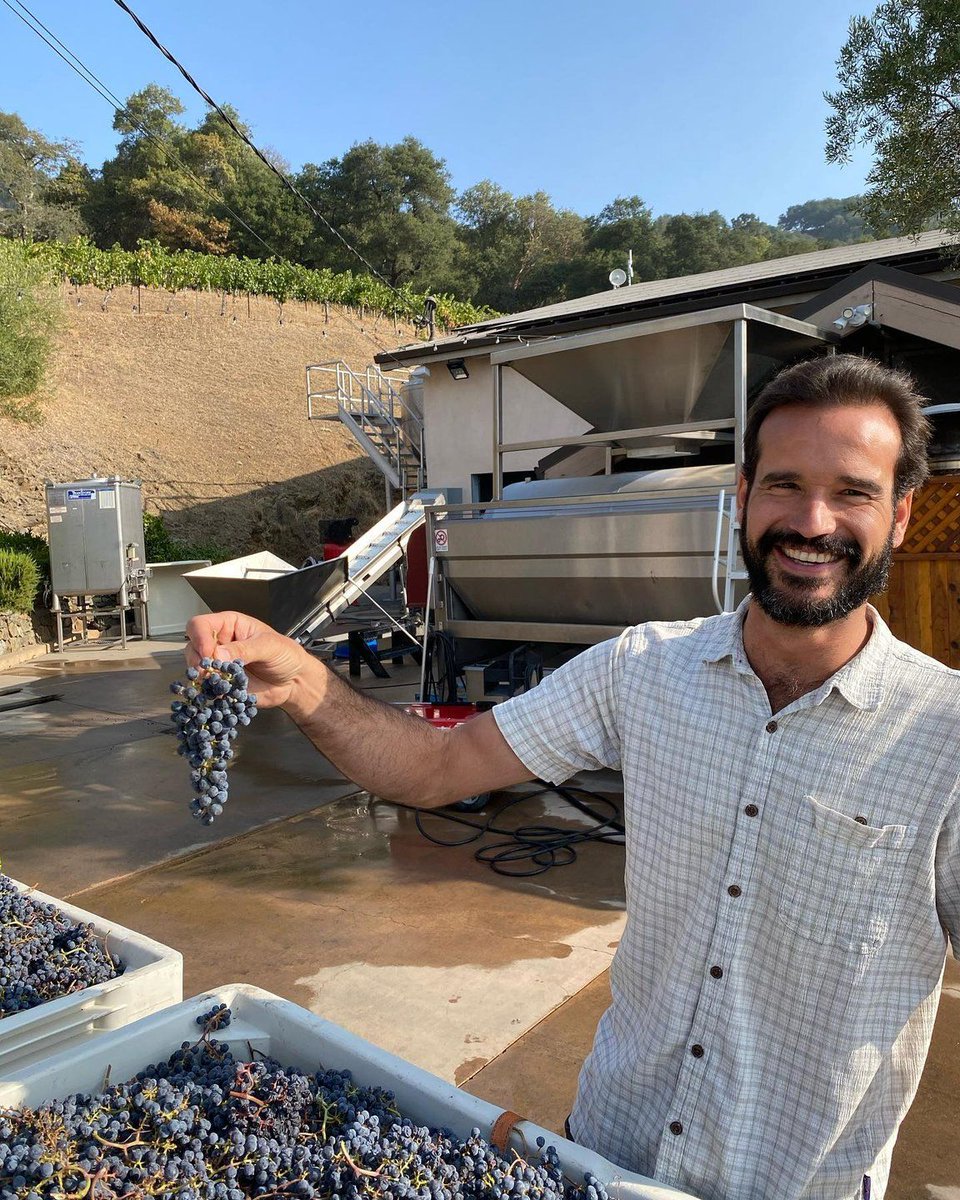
{"type": "Point", "coordinates": [791, 881]}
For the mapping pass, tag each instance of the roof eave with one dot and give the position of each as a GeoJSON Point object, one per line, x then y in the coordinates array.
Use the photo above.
{"type": "Point", "coordinates": [475, 338]}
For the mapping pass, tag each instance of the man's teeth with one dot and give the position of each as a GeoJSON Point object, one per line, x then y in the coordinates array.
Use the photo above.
{"type": "Point", "coordinates": [808, 556]}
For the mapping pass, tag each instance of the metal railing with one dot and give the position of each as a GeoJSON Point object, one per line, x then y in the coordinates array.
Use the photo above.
{"type": "Point", "coordinates": [372, 407]}
{"type": "Point", "coordinates": [729, 562]}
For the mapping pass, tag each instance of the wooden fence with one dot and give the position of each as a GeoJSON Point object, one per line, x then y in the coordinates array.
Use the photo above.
{"type": "Point", "coordinates": [922, 603]}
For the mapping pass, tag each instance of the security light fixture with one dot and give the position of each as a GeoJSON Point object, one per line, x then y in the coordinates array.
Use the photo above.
{"type": "Point", "coordinates": [853, 318]}
{"type": "Point", "coordinates": [458, 368]}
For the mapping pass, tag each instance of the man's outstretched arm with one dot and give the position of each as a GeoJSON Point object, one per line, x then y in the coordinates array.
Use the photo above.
{"type": "Point", "coordinates": [391, 753]}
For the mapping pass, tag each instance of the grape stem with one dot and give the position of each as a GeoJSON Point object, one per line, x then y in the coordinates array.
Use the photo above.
{"type": "Point", "coordinates": [359, 1170]}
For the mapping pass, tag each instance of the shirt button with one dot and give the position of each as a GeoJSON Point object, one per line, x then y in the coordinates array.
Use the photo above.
{"type": "Point", "coordinates": [733, 890]}
{"type": "Point", "coordinates": [772, 727]}
{"type": "Point", "coordinates": [860, 820]}
{"type": "Point", "coordinates": [676, 1128]}
{"type": "Point", "coordinates": [716, 972]}
{"type": "Point", "coordinates": [697, 1050]}
{"type": "Point", "coordinates": [751, 810]}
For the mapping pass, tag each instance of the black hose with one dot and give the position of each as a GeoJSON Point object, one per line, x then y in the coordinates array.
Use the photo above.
{"type": "Point", "coordinates": [540, 846]}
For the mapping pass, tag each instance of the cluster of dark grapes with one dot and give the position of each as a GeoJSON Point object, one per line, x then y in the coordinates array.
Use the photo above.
{"type": "Point", "coordinates": [44, 953]}
{"type": "Point", "coordinates": [217, 1018]}
{"type": "Point", "coordinates": [209, 709]}
{"type": "Point", "coordinates": [205, 1126]}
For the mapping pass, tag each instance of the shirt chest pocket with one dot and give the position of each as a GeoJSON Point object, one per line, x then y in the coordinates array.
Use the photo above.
{"type": "Point", "coordinates": [841, 877]}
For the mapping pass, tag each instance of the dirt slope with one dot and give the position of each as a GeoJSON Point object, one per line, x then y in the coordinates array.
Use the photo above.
{"type": "Point", "coordinates": [204, 401]}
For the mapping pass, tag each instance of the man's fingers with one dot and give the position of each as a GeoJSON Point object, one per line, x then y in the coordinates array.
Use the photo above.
{"type": "Point", "coordinates": [211, 635]}
{"type": "Point", "coordinates": [234, 650]}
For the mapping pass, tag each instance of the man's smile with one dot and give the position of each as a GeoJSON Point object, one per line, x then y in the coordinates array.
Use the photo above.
{"type": "Point", "coordinates": [808, 561]}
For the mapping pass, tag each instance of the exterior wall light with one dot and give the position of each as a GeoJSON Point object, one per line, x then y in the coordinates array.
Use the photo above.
{"type": "Point", "coordinates": [458, 368]}
{"type": "Point", "coordinates": [852, 318]}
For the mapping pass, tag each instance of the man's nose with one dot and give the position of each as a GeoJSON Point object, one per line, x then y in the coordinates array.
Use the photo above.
{"type": "Point", "coordinates": [813, 517]}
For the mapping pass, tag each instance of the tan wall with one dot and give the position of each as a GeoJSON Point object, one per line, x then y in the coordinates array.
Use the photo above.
{"type": "Point", "coordinates": [458, 422]}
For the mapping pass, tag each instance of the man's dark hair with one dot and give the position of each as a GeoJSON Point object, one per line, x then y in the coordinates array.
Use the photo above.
{"type": "Point", "coordinates": [844, 379]}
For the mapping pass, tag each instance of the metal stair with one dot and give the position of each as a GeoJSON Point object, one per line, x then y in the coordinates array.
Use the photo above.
{"type": "Point", "coordinates": [373, 409]}
{"type": "Point", "coordinates": [367, 560]}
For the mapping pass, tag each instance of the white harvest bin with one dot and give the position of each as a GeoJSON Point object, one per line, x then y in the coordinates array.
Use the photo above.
{"type": "Point", "coordinates": [171, 600]}
{"type": "Point", "coordinates": [299, 1039]}
{"type": "Point", "coordinates": [152, 979]}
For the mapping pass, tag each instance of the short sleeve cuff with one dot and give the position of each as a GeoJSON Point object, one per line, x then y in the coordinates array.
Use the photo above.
{"type": "Point", "coordinates": [523, 741]}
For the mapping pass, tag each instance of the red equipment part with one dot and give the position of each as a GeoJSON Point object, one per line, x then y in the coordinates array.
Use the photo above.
{"type": "Point", "coordinates": [417, 568]}
{"type": "Point", "coordinates": [443, 716]}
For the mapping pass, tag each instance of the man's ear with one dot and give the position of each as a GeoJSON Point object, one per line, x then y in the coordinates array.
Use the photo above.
{"type": "Point", "coordinates": [901, 518]}
{"type": "Point", "coordinates": [742, 489]}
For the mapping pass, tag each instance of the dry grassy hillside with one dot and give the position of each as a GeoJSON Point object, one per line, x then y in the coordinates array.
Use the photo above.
{"type": "Point", "coordinates": [204, 400]}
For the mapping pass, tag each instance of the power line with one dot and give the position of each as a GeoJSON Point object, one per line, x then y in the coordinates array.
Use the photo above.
{"type": "Point", "coordinates": [103, 90]}
{"type": "Point", "coordinates": [291, 187]}
{"type": "Point", "coordinates": [88, 76]}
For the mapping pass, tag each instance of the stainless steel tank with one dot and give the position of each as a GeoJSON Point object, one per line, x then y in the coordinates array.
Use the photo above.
{"type": "Point", "coordinates": [95, 527]}
{"type": "Point", "coordinates": [603, 551]}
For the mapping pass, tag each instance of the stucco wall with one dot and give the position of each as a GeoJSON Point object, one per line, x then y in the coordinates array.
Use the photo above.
{"type": "Point", "coordinates": [458, 422]}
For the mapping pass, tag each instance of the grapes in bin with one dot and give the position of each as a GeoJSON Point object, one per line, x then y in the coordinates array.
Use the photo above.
{"type": "Point", "coordinates": [45, 954]}
{"type": "Point", "coordinates": [204, 1125]}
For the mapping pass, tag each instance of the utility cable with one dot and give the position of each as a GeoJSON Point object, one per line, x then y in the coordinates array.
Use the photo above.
{"type": "Point", "coordinates": [287, 183]}
{"type": "Point", "coordinates": [105, 93]}
{"type": "Point", "coordinates": [102, 89]}
{"type": "Point", "coordinates": [441, 675]}
{"type": "Point", "coordinates": [88, 76]}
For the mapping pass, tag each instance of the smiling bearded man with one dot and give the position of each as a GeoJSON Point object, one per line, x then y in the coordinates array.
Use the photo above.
{"type": "Point", "coordinates": [791, 806]}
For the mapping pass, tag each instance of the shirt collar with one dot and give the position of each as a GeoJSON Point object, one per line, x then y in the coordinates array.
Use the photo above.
{"type": "Point", "coordinates": [860, 681]}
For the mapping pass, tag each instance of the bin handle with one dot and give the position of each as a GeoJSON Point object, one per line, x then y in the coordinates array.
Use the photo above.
{"type": "Point", "coordinates": [503, 1126]}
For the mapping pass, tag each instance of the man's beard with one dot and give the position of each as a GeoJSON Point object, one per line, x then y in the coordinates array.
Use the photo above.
{"type": "Point", "coordinates": [787, 604]}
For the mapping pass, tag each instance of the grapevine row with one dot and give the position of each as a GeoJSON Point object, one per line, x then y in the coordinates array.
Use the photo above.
{"type": "Point", "coordinates": [152, 265]}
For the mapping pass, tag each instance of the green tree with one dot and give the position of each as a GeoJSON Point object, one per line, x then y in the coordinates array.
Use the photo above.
{"type": "Point", "coordinates": [393, 204]}
{"type": "Point", "coordinates": [41, 184]}
{"type": "Point", "coordinates": [830, 221]}
{"type": "Point", "coordinates": [519, 250]}
{"type": "Point", "coordinates": [249, 197]}
{"type": "Point", "coordinates": [625, 224]}
{"type": "Point", "coordinates": [694, 242]}
{"type": "Point", "coordinates": [899, 93]}
{"type": "Point", "coordinates": [160, 183]}
{"type": "Point", "coordinates": [29, 315]}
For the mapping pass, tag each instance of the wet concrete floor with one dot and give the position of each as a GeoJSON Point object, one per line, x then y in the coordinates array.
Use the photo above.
{"type": "Point", "coordinates": [307, 888]}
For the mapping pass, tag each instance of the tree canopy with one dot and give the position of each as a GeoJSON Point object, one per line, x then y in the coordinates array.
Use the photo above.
{"type": "Point", "coordinates": [393, 204]}
{"type": "Point", "coordinates": [200, 187]}
{"type": "Point", "coordinates": [899, 94]}
{"type": "Point", "coordinates": [41, 183]}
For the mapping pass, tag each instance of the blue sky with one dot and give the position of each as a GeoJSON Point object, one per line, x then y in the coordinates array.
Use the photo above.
{"type": "Point", "coordinates": [693, 105]}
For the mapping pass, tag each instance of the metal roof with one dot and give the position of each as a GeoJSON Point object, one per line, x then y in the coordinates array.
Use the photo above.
{"type": "Point", "coordinates": [772, 278]}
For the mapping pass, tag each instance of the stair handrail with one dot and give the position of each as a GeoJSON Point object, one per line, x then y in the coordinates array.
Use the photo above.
{"type": "Point", "coordinates": [409, 432]}
{"type": "Point", "coordinates": [369, 402]}
{"type": "Point", "coordinates": [726, 512]}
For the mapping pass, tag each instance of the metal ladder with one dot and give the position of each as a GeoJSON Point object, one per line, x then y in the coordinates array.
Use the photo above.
{"type": "Point", "coordinates": [367, 560]}
{"type": "Point", "coordinates": [372, 408]}
{"type": "Point", "coordinates": [728, 562]}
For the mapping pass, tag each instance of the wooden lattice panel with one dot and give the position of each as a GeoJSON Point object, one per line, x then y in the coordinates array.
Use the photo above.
{"type": "Point", "coordinates": [935, 521]}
